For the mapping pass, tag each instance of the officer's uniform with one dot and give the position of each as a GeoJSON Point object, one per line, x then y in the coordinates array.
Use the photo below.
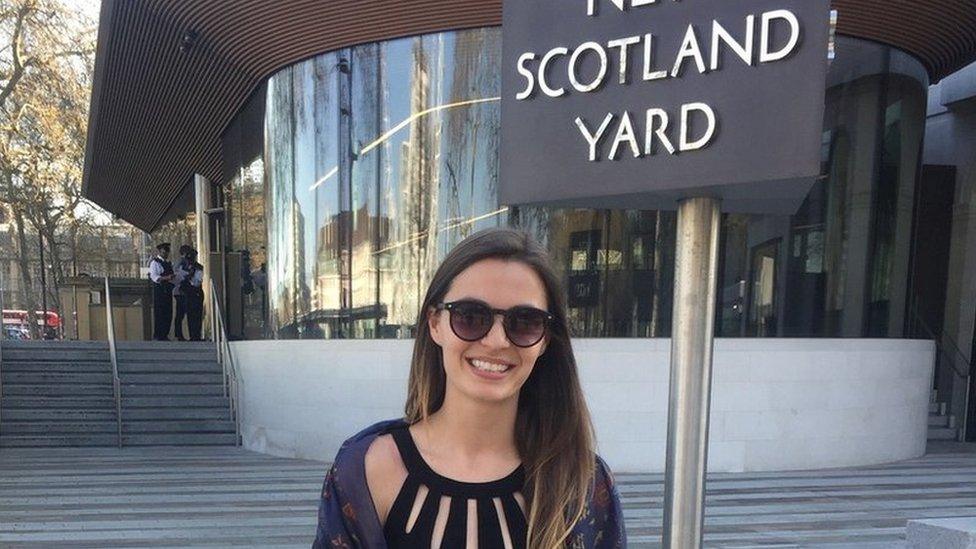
{"type": "Point", "coordinates": [192, 290]}
{"type": "Point", "coordinates": [159, 272]}
{"type": "Point", "coordinates": [180, 296]}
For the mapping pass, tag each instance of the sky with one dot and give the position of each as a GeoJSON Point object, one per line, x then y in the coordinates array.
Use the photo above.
{"type": "Point", "coordinates": [87, 7]}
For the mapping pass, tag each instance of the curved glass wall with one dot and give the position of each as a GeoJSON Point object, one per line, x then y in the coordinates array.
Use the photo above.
{"type": "Point", "coordinates": [379, 158]}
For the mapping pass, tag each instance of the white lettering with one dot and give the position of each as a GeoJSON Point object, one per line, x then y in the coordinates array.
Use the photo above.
{"type": "Point", "coordinates": [720, 35]}
{"type": "Point", "coordinates": [766, 56]}
{"type": "Point", "coordinates": [621, 5]}
{"type": "Point", "coordinates": [686, 111]}
{"type": "Point", "coordinates": [544, 65]}
{"type": "Point", "coordinates": [594, 139]}
{"type": "Point", "coordinates": [652, 116]}
{"type": "Point", "coordinates": [689, 48]}
{"type": "Point", "coordinates": [529, 77]}
{"type": "Point", "coordinates": [574, 67]}
{"type": "Point", "coordinates": [649, 60]}
{"type": "Point", "coordinates": [625, 134]}
{"type": "Point", "coordinates": [624, 45]}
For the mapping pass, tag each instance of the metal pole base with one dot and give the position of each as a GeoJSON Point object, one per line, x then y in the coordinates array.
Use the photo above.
{"type": "Point", "coordinates": [695, 286]}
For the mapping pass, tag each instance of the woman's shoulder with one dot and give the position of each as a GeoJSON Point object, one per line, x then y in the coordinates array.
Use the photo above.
{"type": "Point", "coordinates": [603, 524]}
{"type": "Point", "coordinates": [346, 510]}
{"type": "Point", "coordinates": [604, 485]}
{"type": "Point", "coordinates": [603, 471]}
{"type": "Point", "coordinates": [355, 447]}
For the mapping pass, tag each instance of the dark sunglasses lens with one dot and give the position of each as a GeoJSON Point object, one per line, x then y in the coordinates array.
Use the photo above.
{"type": "Point", "coordinates": [470, 321]}
{"type": "Point", "coordinates": [525, 326]}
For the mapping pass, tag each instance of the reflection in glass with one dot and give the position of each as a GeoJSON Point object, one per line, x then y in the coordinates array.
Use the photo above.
{"type": "Point", "coordinates": [393, 154]}
{"type": "Point", "coordinates": [381, 157]}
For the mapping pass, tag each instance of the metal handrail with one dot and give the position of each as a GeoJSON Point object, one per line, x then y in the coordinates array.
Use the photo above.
{"type": "Point", "coordinates": [967, 375]}
{"type": "Point", "coordinates": [940, 340]}
{"type": "Point", "coordinates": [225, 358]}
{"type": "Point", "coordinates": [116, 382]}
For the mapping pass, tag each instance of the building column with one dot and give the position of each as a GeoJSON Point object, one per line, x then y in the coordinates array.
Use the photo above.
{"type": "Point", "coordinates": [203, 204]}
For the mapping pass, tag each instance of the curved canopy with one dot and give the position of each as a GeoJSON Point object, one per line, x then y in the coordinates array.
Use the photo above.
{"type": "Point", "coordinates": [171, 74]}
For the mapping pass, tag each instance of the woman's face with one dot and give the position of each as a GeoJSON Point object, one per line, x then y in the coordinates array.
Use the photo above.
{"type": "Point", "coordinates": [491, 369]}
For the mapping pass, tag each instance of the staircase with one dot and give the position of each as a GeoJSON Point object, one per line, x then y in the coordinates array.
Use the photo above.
{"type": "Point", "coordinates": [942, 426]}
{"type": "Point", "coordinates": [57, 394]}
{"type": "Point", "coordinates": [60, 394]}
{"type": "Point", "coordinates": [173, 395]}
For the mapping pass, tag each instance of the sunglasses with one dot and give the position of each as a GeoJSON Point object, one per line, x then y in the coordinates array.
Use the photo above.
{"type": "Point", "coordinates": [472, 320]}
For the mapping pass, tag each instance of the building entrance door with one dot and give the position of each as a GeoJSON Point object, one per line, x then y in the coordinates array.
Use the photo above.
{"type": "Point", "coordinates": [762, 317]}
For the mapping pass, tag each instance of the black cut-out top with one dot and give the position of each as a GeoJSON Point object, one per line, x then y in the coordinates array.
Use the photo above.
{"type": "Point", "coordinates": [500, 521]}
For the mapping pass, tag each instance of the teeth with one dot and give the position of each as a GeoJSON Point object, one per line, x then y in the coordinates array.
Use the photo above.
{"type": "Point", "coordinates": [489, 366]}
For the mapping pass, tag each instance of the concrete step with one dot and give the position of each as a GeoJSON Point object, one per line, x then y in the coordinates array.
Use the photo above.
{"type": "Point", "coordinates": [209, 366]}
{"type": "Point", "coordinates": [20, 428]}
{"type": "Point", "coordinates": [178, 426]}
{"type": "Point", "coordinates": [172, 348]}
{"type": "Point", "coordinates": [56, 366]}
{"type": "Point", "coordinates": [47, 354]}
{"type": "Point", "coordinates": [938, 408]}
{"type": "Point", "coordinates": [150, 346]}
{"type": "Point", "coordinates": [166, 358]}
{"type": "Point", "coordinates": [212, 401]}
{"type": "Point", "coordinates": [58, 378]}
{"type": "Point", "coordinates": [56, 415]}
{"type": "Point", "coordinates": [78, 440]}
{"type": "Point", "coordinates": [62, 345]}
{"type": "Point", "coordinates": [81, 390]}
{"type": "Point", "coordinates": [207, 350]}
{"type": "Point", "coordinates": [145, 414]}
{"type": "Point", "coordinates": [180, 439]}
{"type": "Point", "coordinates": [68, 401]}
{"type": "Point", "coordinates": [941, 433]}
{"type": "Point", "coordinates": [142, 389]}
{"type": "Point", "coordinates": [170, 378]}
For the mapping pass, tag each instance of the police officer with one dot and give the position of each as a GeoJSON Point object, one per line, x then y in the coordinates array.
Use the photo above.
{"type": "Point", "coordinates": [192, 289]}
{"type": "Point", "coordinates": [161, 274]}
{"type": "Point", "coordinates": [180, 270]}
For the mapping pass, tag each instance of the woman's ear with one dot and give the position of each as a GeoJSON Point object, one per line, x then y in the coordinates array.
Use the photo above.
{"type": "Point", "coordinates": [433, 325]}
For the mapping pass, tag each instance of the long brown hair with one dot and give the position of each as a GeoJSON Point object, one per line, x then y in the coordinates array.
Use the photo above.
{"type": "Point", "coordinates": [553, 431]}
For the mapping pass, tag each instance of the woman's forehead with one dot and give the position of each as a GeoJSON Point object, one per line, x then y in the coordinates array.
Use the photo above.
{"type": "Point", "coordinates": [499, 283]}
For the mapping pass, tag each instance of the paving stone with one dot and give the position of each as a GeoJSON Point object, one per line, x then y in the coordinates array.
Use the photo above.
{"type": "Point", "coordinates": [226, 496]}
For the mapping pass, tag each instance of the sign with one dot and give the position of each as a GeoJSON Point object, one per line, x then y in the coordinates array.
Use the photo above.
{"type": "Point", "coordinates": [638, 103]}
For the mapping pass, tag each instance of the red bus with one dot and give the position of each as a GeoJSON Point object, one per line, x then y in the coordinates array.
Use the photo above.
{"type": "Point", "coordinates": [15, 320]}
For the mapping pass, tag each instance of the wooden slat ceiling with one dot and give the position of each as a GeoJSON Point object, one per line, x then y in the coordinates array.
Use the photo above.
{"type": "Point", "coordinates": [157, 112]}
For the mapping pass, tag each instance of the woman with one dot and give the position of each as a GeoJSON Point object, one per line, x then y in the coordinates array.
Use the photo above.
{"type": "Point", "coordinates": [496, 449]}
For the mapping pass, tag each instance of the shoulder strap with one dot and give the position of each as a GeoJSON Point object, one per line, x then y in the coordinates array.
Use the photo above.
{"type": "Point", "coordinates": [409, 453]}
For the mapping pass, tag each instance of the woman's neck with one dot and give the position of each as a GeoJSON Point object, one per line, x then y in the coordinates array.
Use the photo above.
{"type": "Point", "coordinates": [472, 432]}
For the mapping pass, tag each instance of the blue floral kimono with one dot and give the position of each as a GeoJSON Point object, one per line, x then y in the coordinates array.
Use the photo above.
{"type": "Point", "coordinates": [348, 519]}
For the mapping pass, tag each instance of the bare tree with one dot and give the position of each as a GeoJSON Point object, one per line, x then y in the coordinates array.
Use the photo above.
{"type": "Point", "coordinates": [46, 58]}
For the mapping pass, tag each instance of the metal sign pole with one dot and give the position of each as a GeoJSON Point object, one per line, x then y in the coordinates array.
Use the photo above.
{"type": "Point", "coordinates": [695, 287]}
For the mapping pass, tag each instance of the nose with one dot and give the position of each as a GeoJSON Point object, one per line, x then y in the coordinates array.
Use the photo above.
{"type": "Point", "coordinates": [496, 335]}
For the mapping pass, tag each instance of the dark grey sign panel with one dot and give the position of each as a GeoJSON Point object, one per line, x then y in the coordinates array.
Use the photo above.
{"type": "Point", "coordinates": [637, 103]}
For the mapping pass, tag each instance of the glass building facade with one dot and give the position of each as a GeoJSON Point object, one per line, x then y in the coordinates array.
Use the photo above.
{"type": "Point", "coordinates": [349, 176]}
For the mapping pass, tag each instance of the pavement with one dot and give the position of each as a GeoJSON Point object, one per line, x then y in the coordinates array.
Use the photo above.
{"type": "Point", "coordinates": [223, 497]}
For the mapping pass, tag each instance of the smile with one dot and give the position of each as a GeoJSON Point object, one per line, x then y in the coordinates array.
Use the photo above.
{"type": "Point", "coordinates": [489, 366]}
